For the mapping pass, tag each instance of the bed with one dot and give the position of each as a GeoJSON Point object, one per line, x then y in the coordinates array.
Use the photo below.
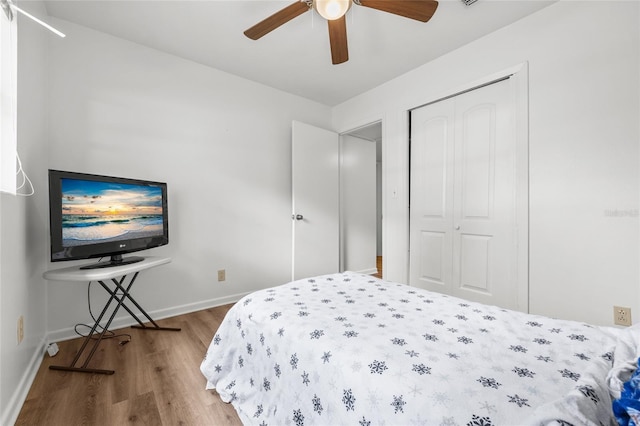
{"type": "Point", "coordinates": [350, 349]}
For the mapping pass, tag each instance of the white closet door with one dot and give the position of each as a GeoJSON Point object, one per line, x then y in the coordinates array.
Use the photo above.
{"type": "Point", "coordinates": [431, 210]}
{"type": "Point", "coordinates": [463, 196]}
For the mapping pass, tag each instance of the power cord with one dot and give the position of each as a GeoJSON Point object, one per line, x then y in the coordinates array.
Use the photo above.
{"type": "Point", "coordinates": [108, 333]}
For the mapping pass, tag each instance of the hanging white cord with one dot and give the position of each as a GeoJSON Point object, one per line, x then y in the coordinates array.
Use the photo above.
{"type": "Point", "coordinates": [25, 180]}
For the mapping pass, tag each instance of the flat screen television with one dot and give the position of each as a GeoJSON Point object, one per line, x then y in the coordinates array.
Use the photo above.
{"type": "Point", "coordinates": [93, 216]}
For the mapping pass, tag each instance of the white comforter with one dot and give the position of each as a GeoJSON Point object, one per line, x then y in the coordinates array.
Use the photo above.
{"type": "Point", "coordinates": [349, 349]}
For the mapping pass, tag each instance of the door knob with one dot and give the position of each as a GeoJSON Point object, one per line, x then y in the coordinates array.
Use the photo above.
{"type": "Point", "coordinates": [458, 228]}
{"type": "Point", "coordinates": [297, 217]}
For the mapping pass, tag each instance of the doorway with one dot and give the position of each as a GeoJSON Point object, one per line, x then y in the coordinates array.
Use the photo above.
{"type": "Point", "coordinates": [336, 208]}
{"type": "Point", "coordinates": [361, 200]}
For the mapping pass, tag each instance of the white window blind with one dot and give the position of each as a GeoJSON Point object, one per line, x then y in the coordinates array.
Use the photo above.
{"type": "Point", "coordinates": [8, 103]}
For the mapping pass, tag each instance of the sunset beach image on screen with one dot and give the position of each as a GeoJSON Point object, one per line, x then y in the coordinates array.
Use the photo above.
{"type": "Point", "coordinates": [95, 212]}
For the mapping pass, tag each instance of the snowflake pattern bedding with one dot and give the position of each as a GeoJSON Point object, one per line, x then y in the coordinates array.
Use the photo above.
{"type": "Point", "coordinates": [350, 349]}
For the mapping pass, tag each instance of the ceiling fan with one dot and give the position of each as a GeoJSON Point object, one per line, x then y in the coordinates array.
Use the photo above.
{"type": "Point", "coordinates": [334, 12]}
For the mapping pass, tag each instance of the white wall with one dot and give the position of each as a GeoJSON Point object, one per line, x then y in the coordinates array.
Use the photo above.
{"type": "Point", "coordinates": [221, 143]}
{"type": "Point", "coordinates": [357, 204]}
{"type": "Point", "coordinates": [23, 222]}
{"type": "Point", "coordinates": [584, 64]}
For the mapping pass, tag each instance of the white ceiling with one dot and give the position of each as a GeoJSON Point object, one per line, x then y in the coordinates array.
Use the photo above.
{"type": "Point", "coordinates": [295, 57]}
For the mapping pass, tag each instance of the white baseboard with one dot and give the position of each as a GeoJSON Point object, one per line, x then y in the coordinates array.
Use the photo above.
{"type": "Point", "coordinates": [10, 414]}
{"type": "Point", "coordinates": [368, 271]}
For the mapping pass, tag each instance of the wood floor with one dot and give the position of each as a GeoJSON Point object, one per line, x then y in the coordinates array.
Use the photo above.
{"type": "Point", "coordinates": [157, 380]}
{"type": "Point", "coordinates": [379, 266]}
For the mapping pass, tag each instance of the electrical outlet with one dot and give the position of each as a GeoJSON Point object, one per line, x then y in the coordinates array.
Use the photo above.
{"type": "Point", "coordinates": [621, 315]}
{"type": "Point", "coordinates": [20, 329]}
{"type": "Point", "coordinates": [221, 275]}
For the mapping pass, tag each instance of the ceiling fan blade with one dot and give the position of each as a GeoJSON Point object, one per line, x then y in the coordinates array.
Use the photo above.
{"type": "Point", "coordinates": [277, 19]}
{"type": "Point", "coordinates": [338, 40]}
{"type": "Point", "coordinates": [420, 10]}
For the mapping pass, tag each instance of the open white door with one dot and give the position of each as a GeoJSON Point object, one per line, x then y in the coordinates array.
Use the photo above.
{"type": "Point", "coordinates": [315, 195]}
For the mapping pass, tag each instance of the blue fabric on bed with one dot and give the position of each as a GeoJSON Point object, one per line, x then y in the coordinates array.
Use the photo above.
{"type": "Point", "coordinates": [627, 408]}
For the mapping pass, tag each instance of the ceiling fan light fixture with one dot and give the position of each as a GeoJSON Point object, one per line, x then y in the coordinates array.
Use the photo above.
{"type": "Point", "coordinates": [332, 9]}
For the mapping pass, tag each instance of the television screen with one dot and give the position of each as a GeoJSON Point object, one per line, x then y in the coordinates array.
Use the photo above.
{"type": "Point", "coordinates": [94, 211]}
{"type": "Point", "coordinates": [98, 216]}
